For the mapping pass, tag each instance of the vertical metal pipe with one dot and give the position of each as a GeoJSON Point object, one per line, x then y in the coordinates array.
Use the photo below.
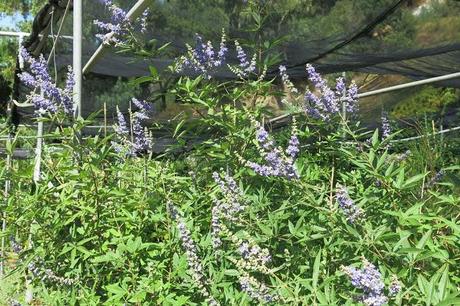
{"type": "Point", "coordinates": [38, 152]}
{"type": "Point", "coordinates": [344, 104]}
{"type": "Point", "coordinates": [21, 60]}
{"type": "Point", "coordinates": [6, 197]}
{"type": "Point", "coordinates": [77, 53]}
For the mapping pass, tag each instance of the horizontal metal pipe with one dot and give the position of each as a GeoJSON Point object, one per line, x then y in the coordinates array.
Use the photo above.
{"type": "Point", "coordinates": [23, 34]}
{"type": "Point", "coordinates": [410, 84]}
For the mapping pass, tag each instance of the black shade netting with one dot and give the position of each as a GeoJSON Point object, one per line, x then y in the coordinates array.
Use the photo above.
{"type": "Point", "coordinates": [413, 39]}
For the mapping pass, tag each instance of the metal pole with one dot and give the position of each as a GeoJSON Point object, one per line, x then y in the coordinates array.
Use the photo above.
{"type": "Point", "coordinates": [38, 152]}
{"type": "Point", "coordinates": [21, 60]}
{"type": "Point", "coordinates": [6, 197]}
{"type": "Point", "coordinates": [344, 104]}
{"type": "Point", "coordinates": [77, 53]}
{"type": "Point", "coordinates": [411, 84]}
{"type": "Point", "coordinates": [133, 13]}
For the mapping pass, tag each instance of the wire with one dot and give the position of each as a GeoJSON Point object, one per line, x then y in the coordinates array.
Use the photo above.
{"type": "Point", "coordinates": [366, 29]}
{"type": "Point", "coordinates": [53, 49]}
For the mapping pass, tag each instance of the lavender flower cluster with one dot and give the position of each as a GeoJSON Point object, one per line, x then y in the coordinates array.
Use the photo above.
{"type": "Point", "coordinates": [328, 102]}
{"type": "Point", "coordinates": [252, 257]}
{"type": "Point", "coordinates": [119, 24]}
{"type": "Point", "coordinates": [370, 281]}
{"type": "Point", "coordinates": [403, 156]}
{"type": "Point", "coordinates": [37, 269]}
{"type": "Point", "coordinates": [15, 246]}
{"type": "Point", "coordinates": [117, 27]}
{"type": "Point", "coordinates": [386, 128]}
{"type": "Point", "coordinates": [286, 81]}
{"type": "Point", "coordinates": [138, 141]}
{"type": "Point", "coordinates": [395, 286]}
{"type": "Point", "coordinates": [225, 209]}
{"type": "Point", "coordinates": [352, 212]}
{"type": "Point", "coordinates": [245, 67]}
{"type": "Point", "coordinates": [144, 16]}
{"type": "Point", "coordinates": [278, 162]}
{"type": "Point", "coordinates": [191, 251]}
{"type": "Point", "coordinates": [203, 58]}
{"type": "Point", "coordinates": [255, 289]}
{"type": "Point", "coordinates": [436, 178]}
{"type": "Point", "coordinates": [46, 96]}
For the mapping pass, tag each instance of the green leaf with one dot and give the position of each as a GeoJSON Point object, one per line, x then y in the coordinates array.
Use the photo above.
{"type": "Point", "coordinates": [316, 270]}
{"type": "Point", "coordinates": [422, 242]}
{"type": "Point", "coordinates": [414, 179]}
{"type": "Point", "coordinates": [375, 138]}
{"type": "Point", "coordinates": [116, 289]}
{"type": "Point", "coordinates": [232, 272]}
{"type": "Point", "coordinates": [400, 178]}
{"type": "Point", "coordinates": [443, 283]}
{"type": "Point", "coordinates": [153, 71]}
{"type": "Point", "coordinates": [140, 80]}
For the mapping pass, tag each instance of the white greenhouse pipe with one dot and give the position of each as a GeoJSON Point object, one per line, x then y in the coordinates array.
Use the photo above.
{"type": "Point", "coordinates": [410, 84]}
{"type": "Point", "coordinates": [77, 53]}
{"type": "Point", "coordinates": [19, 34]}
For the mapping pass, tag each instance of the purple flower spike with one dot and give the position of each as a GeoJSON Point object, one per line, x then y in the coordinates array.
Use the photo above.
{"type": "Point", "coordinates": [222, 54]}
{"type": "Point", "coordinates": [395, 286]}
{"type": "Point", "coordinates": [352, 212]}
{"type": "Point", "coordinates": [142, 141]}
{"type": "Point", "coordinates": [67, 97]}
{"type": "Point", "coordinates": [328, 103]}
{"type": "Point", "coordinates": [278, 162]}
{"type": "Point", "coordinates": [144, 108]}
{"type": "Point", "coordinates": [286, 81]}
{"type": "Point", "coordinates": [370, 281]}
{"type": "Point", "coordinates": [227, 208]}
{"type": "Point", "coordinates": [340, 87]}
{"type": "Point", "coordinates": [386, 129]}
{"type": "Point", "coordinates": [256, 290]}
{"type": "Point", "coordinates": [119, 24]}
{"type": "Point", "coordinates": [46, 96]}
{"type": "Point", "coordinates": [121, 129]}
{"type": "Point", "coordinates": [202, 58]}
{"type": "Point", "coordinates": [191, 251]}
{"type": "Point", "coordinates": [436, 178]}
{"type": "Point", "coordinates": [315, 77]}
{"type": "Point", "coordinates": [245, 67]}
{"type": "Point", "coordinates": [144, 16]}
{"type": "Point", "coordinates": [293, 148]}
{"type": "Point", "coordinates": [28, 79]}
